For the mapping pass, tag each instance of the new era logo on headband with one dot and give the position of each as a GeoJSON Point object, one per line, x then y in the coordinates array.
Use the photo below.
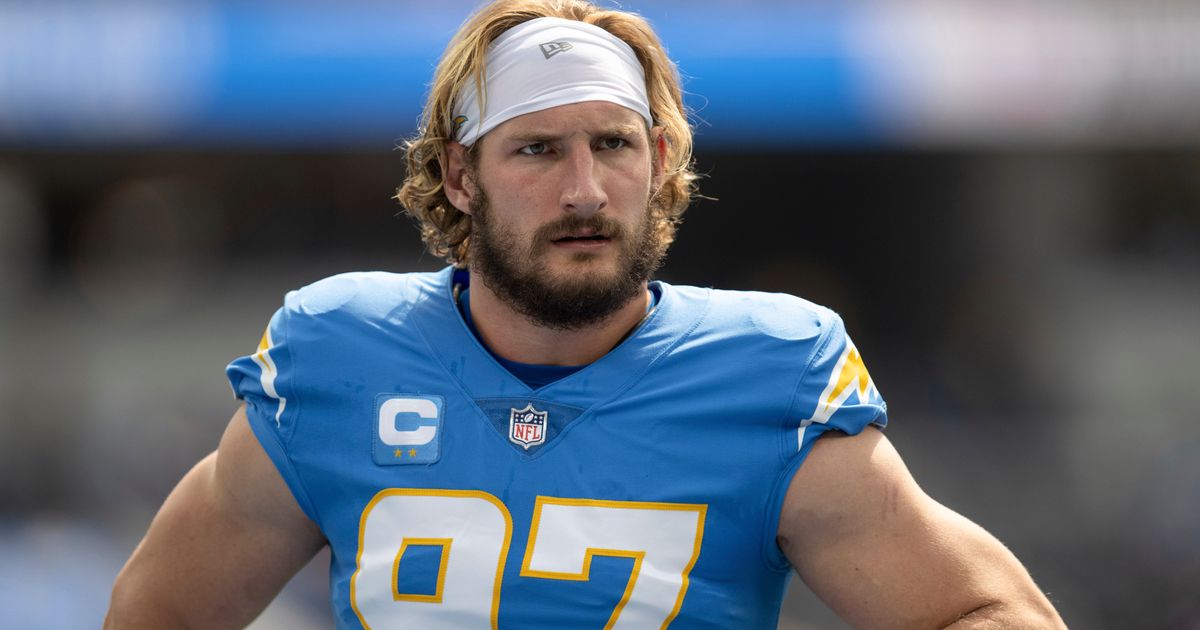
{"type": "Point", "coordinates": [549, 49]}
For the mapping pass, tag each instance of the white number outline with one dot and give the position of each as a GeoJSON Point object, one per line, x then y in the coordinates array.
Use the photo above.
{"type": "Point", "coordinates": [638, 555]}
{"type": "Point", "coordinates": [432, 492]}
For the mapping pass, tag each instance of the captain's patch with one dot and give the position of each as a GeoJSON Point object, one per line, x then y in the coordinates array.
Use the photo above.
{"type": "Point", "coordinates": [408, 429]}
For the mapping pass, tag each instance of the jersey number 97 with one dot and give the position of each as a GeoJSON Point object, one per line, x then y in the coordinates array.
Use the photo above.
{"type": "Point", "coordinates": [474, 529]}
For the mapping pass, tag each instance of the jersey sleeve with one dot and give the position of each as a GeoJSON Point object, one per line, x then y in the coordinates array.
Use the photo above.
{"type": "Point", "coordinates": [836, 391]}
{"type": "Point", "coordinates": [265, 381]}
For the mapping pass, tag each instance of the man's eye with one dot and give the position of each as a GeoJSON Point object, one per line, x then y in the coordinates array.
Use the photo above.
{"type": "Point", "coordinates": [613, 143]}
{"type": "Point", "coordinates": [537, 148]}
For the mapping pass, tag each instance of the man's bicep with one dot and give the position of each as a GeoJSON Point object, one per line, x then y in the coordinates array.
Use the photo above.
{"type": "Point", "coordinates": [252, 488]}
{"type": "Point", "coordinates": [225, 541]}
{"type": "Point", "coordinates": [871, 544]}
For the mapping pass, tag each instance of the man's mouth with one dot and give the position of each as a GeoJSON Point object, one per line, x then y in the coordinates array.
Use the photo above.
{"type": "Point", "coordinates": [582, 239]}
{"type": "Point", "coordinates": [583, 236]}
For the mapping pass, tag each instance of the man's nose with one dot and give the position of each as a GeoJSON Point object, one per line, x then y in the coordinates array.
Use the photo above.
{"type": "Point", "coordinates": [582, 193]}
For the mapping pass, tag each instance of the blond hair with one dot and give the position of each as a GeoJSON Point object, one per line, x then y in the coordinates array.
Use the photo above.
{"type": "Point", "coordinates": [444, 228]}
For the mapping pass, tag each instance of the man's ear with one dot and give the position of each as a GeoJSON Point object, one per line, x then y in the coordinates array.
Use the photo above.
{"type": "Point", "coordinates": [457, 179]}
{"type": "Point", "coordinates": [658, 166]}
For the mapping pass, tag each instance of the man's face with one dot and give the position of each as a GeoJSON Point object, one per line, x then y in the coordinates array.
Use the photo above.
{"type": "Point", "coordinates": [562, 228]}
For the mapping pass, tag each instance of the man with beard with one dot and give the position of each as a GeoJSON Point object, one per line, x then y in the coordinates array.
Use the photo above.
{"type": "Point", "coordinates": [539, 436]}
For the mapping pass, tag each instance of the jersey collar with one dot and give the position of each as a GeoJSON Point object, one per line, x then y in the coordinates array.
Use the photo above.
{"type": "Point", "coordinates": [479, 375]}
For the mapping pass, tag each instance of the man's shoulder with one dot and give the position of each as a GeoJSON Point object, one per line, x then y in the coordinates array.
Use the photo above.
{"type": "Point", "coordinates": [364, 294]}
{"type": "Point", "coordinates": [778, 315]}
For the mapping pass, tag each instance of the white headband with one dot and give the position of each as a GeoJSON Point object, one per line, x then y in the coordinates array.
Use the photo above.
{"type": "Point", "coordinates": [545, 63]}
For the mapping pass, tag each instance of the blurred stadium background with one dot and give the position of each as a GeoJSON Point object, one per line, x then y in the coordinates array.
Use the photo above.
{"type": "Point", "coordinates": [1002, 199]}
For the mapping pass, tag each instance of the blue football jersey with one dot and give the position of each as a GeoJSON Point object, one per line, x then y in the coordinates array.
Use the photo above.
{"type": "Point", "coordinates": [642, 491]}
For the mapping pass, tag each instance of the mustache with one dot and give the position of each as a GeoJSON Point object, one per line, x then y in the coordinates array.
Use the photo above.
{"type": "Point", "coordinates": [573, 224]}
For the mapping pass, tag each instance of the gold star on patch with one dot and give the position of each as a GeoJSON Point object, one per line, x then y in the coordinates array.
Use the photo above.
{"type": "Point", "coordinates": [412, 452]}
{"type": "Point", "coordinates": [399, 453]}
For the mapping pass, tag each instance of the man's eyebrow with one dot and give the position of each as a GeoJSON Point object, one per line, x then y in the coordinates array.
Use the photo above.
{"type": "Point", "coordinates": [627, 129]}
{"type": "Point", "coordinates": [531, 137]}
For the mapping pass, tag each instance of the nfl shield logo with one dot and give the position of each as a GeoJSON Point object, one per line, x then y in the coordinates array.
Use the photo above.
{"type": "Point", "coordinates": [527, 426]}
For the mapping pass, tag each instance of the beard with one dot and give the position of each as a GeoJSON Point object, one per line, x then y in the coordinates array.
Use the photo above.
{"type": "Point", "coordinates": [573, 298]}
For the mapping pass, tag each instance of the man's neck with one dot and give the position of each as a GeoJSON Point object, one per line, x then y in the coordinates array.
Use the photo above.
{"type": "Point", "coordinates": [514, 337]}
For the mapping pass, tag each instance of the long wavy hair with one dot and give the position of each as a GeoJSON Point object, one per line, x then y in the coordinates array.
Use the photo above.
{"type": "Point", "coordinates": [445, 229]}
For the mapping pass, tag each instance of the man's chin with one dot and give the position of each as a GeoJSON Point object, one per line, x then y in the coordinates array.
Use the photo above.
{"type": "Point", "coordinates": [594, 257]}
{"type": "Point", "coordinates": [582, 272]}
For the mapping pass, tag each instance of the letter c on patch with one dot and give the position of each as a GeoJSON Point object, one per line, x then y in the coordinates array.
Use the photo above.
{"type": "Point", "coordinates": [424, 434]}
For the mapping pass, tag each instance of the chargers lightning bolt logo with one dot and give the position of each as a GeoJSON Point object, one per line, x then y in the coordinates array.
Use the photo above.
{"type": "Point", "coordinates": [849, 376]}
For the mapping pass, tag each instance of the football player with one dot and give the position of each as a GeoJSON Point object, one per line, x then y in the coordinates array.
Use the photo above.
{"type": "Point", "coordinates": [539, 436]}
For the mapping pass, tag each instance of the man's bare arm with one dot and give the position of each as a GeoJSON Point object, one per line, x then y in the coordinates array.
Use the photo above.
{"type": "Point", "coordinates": [224, 543]}
{"type": "Point", "coordinates": [882, 554]}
